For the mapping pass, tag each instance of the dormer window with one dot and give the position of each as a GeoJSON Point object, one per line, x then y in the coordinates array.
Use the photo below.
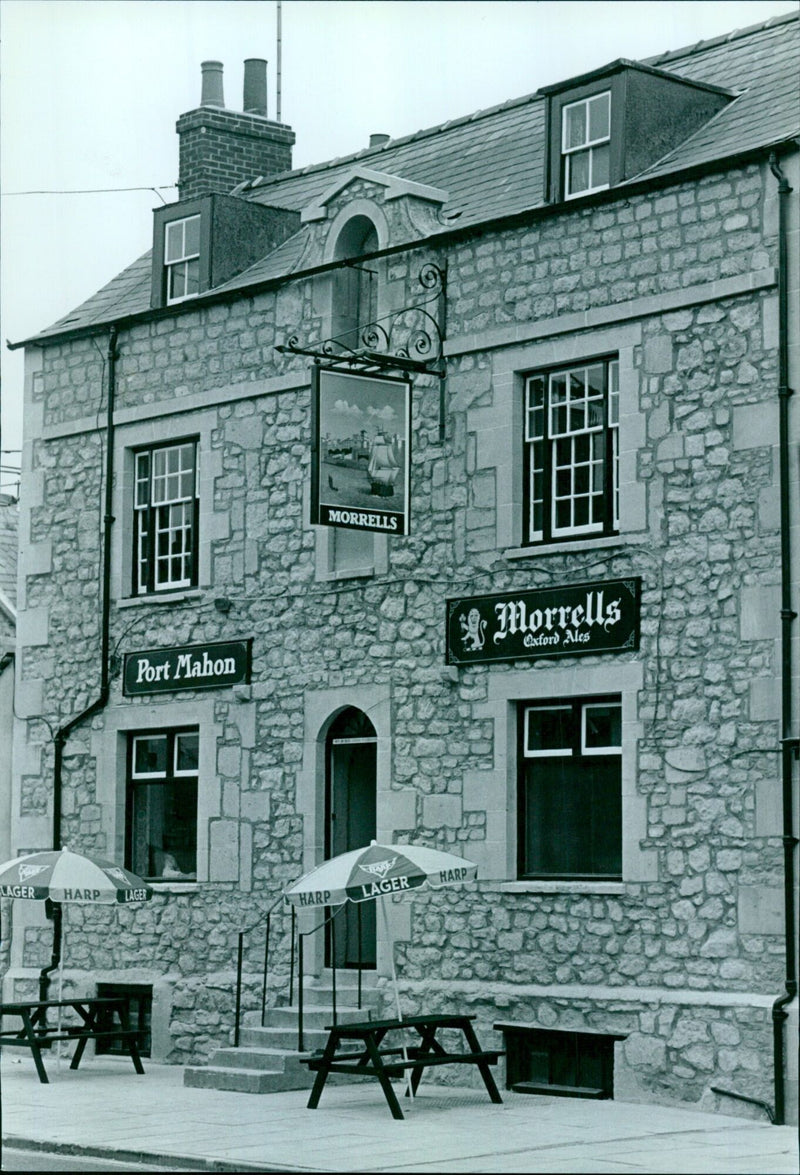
{"type": "Point", "coordinates": [585, 144]}
{"type": "Point", "coordinates": [185, 265]}
{"type": "Point", "coordinates": [614, 123]}
{"type": "Point", "coordinates": [182, 258]}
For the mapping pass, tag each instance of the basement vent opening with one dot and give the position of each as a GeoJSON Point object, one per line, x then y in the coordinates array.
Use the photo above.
{"type": "Point", "coordinates": [140, 1012]}
{"type": "Point", "coordinates": [559, 1062]}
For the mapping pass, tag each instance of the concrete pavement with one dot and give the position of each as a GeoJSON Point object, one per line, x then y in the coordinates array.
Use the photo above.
{"type": "Point", "coordinates": [106, 1109]}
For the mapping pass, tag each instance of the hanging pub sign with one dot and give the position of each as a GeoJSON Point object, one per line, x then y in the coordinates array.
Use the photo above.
{"type": "Point", "coordinates": [564, 621]}
{"type": "Point", "coordinates": [157, 671]}
{"type": "Point", "coordinates": [360, 460]}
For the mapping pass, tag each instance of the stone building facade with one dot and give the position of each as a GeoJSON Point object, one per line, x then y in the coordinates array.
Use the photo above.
{"type": "Point", "coordinates": [627, 802]}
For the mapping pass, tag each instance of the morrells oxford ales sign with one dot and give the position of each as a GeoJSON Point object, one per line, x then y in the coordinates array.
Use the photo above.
{"type": "Point", "coordinates": [189, 667]}
{"type": "Point", "coordinates": [564, 621]}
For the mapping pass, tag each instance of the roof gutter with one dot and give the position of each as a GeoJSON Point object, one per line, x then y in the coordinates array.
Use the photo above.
{"type": "Point", "coordinates": [449, 236]}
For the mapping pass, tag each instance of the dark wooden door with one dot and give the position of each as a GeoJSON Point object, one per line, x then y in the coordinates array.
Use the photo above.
{"type": "Point", "coordinates": [351, 825]}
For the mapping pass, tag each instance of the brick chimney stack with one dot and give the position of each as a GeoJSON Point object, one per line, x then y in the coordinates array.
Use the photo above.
{"type": "Point", "coordinates": [221, 148]}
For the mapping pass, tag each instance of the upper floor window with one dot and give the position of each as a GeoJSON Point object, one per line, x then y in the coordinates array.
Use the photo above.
{"type": "Point", "coordinates": [570, 789]}
{"type": "Point", "coordinates": [182, 258]}
{"type": "Point", "coordinates": [571, 452]}
{"type": "Point", "coordinates": [165, 518]}
{"type": "Point", "coordinates": [585, 144]}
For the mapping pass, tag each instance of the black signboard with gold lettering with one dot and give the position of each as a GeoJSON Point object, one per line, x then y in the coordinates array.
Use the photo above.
{"type": "Point", "coordinates": [561, 621]}
{"type": "Point", "coordinates": [189, 667]}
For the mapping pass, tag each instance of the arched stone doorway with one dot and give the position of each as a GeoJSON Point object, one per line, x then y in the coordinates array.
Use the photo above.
{"type": "Point", "coordinates": [350, 823]}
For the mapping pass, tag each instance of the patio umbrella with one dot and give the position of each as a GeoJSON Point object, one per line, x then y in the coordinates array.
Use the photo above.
{"type": "Point", "coordinates": [63, 876]}
{"type": "Point", "coordinates": [362, 875]}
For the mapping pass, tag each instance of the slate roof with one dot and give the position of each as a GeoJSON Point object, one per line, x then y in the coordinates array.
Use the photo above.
{"type": "Point", "coordinates": [491, 162]}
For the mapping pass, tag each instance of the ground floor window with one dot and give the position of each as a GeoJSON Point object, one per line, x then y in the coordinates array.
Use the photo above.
{"type": "Point", "coordinates": [570, 789]}
{"type": "Point", "coordinates": [162, 804]}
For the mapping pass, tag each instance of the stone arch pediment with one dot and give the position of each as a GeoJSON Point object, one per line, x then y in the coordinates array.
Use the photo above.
{"type": "Point", "coordinates": [394, 187]}
{"type": "Point", "coordinates": [360, 207]}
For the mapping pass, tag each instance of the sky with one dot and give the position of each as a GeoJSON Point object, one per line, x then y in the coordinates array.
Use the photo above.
{"type": "Point", "coordinates": [90, 91]}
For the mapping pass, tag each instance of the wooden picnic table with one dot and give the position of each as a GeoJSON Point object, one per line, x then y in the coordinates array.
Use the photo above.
{"type": "Point", "coordinates": [375, 1059]}
{"type": "Point", "coordinates": [36, 1033]}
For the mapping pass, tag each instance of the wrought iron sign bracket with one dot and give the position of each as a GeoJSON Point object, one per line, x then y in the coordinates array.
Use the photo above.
{"type": "Point", "coordinates": [410, 340]}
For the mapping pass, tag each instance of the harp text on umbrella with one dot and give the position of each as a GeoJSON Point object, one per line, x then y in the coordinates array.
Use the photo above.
{"type": "Point", "coordinates": [317, 897]}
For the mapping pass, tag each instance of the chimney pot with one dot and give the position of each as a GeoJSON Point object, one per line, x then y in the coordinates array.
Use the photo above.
{"type": "Point", "coordinates": [212, 84]}
{"type": "Point", "coordinates": [255, 86]}
{"type": "Point", "coordinates": [378, 140]}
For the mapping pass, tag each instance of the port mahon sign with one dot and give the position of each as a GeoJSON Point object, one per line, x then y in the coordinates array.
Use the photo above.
{"type": "Point", "coordinates": [191, 667]}
{"type": "Point", "coordinates": [361, 451]}
{"type": "Point", "coordinates": [564, 621]}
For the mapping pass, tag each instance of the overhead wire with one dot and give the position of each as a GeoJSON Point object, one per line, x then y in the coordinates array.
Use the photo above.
{"type": "Point", "coordinates": [89, 191]}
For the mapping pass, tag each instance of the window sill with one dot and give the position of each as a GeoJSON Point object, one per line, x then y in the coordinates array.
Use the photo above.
{"type": "Point", "coordinates": [161, 598]}
{"type": "Point", "coordinates": [610, 887]}
{"type": "Point", "coordinates": [565, 548]}
{"type": "Point", "coordinates": [159, 885]}
{"type": "Point", "coordinates": [348, 573]}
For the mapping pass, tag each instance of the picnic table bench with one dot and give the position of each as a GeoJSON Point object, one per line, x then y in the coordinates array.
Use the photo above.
{"type": "Point", "coordinates": [36, 1033]}
{"type": "Point", "coordinates": [384, 1062]}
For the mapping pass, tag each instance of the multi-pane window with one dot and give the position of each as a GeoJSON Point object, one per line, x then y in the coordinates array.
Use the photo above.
{"type": "Point", "coordinates": [571, 455]}
{"type": "Point", "coordinates": [162, 804]}
{"type": "Point", "coordinates": [570, 794]}
{"type": "Point", "coordinates": [585, 144]}
{"type": "Point", "coordinates": [165, 518]}
{"type": "Point", "coordinates": [182, 258]}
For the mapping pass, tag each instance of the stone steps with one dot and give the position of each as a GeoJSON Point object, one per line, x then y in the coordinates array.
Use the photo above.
{"type": "Point", "coordinates": [267, 1059]}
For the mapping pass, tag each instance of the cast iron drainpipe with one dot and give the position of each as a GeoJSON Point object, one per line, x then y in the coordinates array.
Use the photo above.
{"type": "Point", "coordinates": [53, 909]}
{"type": "Point", "coordinates": [789, 744]}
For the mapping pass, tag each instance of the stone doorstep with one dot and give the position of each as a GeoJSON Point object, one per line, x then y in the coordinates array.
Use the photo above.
{"type": "Point", "coordinates": [283, 1039]}
{"type": "Point", "coordinates": [314, 1016]}
{"type": "Point", "coordinates": [267, 1059]}
{"type": "Point", "coordinates": [240, 1080]}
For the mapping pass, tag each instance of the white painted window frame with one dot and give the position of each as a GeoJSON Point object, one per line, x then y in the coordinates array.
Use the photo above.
{"type": "Point", "coordinates": [609, 464]}
{"type": "Point", "coordinates": [588, 145]}
{"type": "Point", "coordinates": [181, 510]}
{"type": "Point", "coordinates": [611, 748]}
{"type": "Point", "coordinates": [170, 773]}
{"type": "Point", "coordinates": [184, 261]}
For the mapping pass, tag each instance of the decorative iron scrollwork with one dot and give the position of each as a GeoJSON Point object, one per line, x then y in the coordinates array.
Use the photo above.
{"type": "Point", "coordinates": [410, 339]}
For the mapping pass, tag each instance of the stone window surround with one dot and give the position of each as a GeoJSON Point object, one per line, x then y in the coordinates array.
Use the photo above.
{"type": "Point", "coordinates": [499, 430]}
{"type": "Point", "coordinates": [495, 791]}
{"type": "Point", "coordinates": [109, 748]}
{"type": "Point", "coordinates": [211, 525]}
{"type": "Point", "coordinates": [324, 539]}
{"type": "Point", "coordinates": [395, 807]}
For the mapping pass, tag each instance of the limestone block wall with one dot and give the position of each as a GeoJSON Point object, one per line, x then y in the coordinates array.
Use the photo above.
{"type": "Point", "coordinates": [685, 953]}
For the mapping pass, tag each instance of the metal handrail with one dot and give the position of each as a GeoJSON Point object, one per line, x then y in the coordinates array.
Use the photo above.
{"type": "Point", "coordinates": [239, 960]}
{"type": "Point", "coordinates": [304, 934]}
{"type": "Point", "coordinates": [296, 937]}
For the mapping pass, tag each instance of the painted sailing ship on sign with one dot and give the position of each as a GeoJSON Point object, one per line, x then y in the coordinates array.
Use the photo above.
{"type": "Point", "coordinates": [384, 467]}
